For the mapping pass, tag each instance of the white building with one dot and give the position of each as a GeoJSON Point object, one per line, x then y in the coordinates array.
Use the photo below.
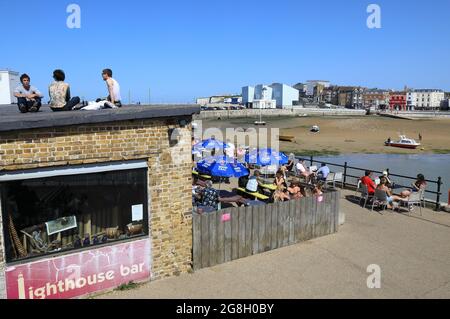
{"type": "Point", "coordinates": [263, 98]}
{"type": "Point", "coordinates": [425, 99]}
{"type": "Point", "coordinates": [311, 85]}
{"type": "Point", "coordinates": [9, 80]}
{"type": "Point", "coordinates": [283, 95]}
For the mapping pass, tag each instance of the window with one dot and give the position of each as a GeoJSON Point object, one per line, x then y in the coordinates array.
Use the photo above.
{"type": "Point", "coordinates": [57, 214]}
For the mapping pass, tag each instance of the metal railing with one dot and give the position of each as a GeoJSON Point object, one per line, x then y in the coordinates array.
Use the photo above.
{"type": "Point", "coordinates": [346, 168]}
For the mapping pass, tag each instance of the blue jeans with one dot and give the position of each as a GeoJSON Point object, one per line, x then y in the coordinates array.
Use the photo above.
{"type": "Point", "coordinates": [25, 105]}
{"type": "Point", "coordinates": [69, 105]}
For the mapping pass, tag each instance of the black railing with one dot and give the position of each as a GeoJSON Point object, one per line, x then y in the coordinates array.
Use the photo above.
{"type": "Point", "coordinates": [346, 174]}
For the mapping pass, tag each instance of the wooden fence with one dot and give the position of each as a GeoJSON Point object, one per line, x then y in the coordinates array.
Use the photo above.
{"type": "Point", "coordinates": [236, 233]}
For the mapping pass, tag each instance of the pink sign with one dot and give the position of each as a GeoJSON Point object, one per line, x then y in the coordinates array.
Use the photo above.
{"type": "Point", "coordinates": [81, 273]}
{"type": "Point", "coordinates": [226, 218]}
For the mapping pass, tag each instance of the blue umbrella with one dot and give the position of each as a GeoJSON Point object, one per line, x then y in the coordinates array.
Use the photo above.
{"type": "Point", "coordinates": [266, 157]}
{"type": "Point", "coordinates": [211, 144]}
{"type": "Point", "coordinates": [223, 166]}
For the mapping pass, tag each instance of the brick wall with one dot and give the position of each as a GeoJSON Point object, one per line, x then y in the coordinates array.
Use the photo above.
{"type": "Point", "coordinates": [170, 204]}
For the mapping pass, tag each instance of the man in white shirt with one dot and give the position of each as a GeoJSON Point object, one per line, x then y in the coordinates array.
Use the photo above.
{"type": "Point", "coordinates": [28, 97]}
{"type": "Point", "coordinates": [113, 88]}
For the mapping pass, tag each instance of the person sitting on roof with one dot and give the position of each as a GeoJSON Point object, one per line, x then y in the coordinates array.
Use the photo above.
{"type": "Point", "coordinates": [367, 181]}
{"type": "Point", "coordinates": [113, 86]}
{"type": "Point", "coordinates": [59, 92]}
{"type": "Point", "coordinates": [28, 97]}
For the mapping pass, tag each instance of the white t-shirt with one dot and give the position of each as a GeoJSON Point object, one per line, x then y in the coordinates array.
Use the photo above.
{"type": "Point", "coordinates": [252, 185]}
{"type": "Point", "coordinates": [301, 168]}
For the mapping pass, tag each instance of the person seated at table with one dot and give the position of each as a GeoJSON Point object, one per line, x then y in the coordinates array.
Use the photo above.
{"type": "Point", "coordinates": [367, 181]}
{"type": "Point", "coordinates": [295, 190]}
{"type": "Point", "coordinates": [197, 191]}
{"type": "Point", "coordinates": [210, 196]}
{"type": "Point", "coordinates": [390, 198]}
{"type": "Point", "coordinates": [243, 180]}
{"type": "Point", "coordinates": [254, 183]}
{"type": "Point", "coordinates": [323, 172]}
{"type": "Point", "coordinates": [419, 185]}
{"type": "Point", "coordinates": [28, 97]}
{"type": "Point", "coordinates": [318, 190]}
{"type": "Point", "coordinates": [302, 171]}
{"type": "Point", "coordinates": [389, 182]}
{"type": "Point", "coordinates": [281, 193]}
{"type": "Point", "coordinates": [237, 199]}
{"type": "Point", "coordinates": [59, 92]}
{"type": "Point", "coordinates": [290, 164]}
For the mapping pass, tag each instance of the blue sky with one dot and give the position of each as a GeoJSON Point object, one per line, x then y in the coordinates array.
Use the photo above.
{"type": "Point", "coordinates": [186, 49]}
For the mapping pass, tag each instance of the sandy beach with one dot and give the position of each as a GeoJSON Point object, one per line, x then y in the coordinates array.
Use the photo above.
{"type": "Point", "coordinates": [351, 135]}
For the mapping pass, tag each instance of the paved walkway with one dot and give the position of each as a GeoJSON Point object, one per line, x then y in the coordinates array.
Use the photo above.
{"type": "Point", "coordinates": [413, 253]}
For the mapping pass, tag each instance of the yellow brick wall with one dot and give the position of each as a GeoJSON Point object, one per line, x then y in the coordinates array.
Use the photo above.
{"type": "Point", "coordinates": [170, 203]}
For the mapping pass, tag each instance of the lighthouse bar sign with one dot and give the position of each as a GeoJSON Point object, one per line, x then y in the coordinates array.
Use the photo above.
{"type": "Point", "coordinates": [80, 274]}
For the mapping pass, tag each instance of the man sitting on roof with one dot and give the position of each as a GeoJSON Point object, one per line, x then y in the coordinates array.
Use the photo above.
{"type": "Point", "coordinates": [59, 92]}
{"type": "Point", "coordinates": [367, 181]}
{"type": "Point", "coordinates": [28, 97]}
{"type": "Point", "coordinates": [113, 88]}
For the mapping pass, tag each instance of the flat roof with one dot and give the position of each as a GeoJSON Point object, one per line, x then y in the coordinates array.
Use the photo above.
{"type": "Point", "coordinates": [12, 120]}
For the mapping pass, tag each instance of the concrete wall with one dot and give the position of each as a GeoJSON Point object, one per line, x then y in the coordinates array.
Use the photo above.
{"type": "Point", "coordinates": [8, 82]}
{"type": "Point", "coordinates": [170, 203]}
{"type": "Point", "coordinates": [252, 113]}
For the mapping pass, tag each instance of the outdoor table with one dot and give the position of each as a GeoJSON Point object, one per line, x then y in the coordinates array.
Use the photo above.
{"type": "Point", "coordinates": [255, 203]}
{"type": "Point", "coordinates": [270, 187]}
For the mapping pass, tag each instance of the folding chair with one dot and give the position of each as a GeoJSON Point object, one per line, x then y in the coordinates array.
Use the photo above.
{"type": "Point", "coordinates": [365, 195]}
{"type": "Point", "coordinates": [415, 199]}
{"type": "Point", "coordinates": [380, 199]}
{"type": "Point", "coordinates": [358, 188]}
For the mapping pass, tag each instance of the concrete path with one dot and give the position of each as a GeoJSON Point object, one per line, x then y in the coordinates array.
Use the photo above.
{"type": "Point", "coordinates": [413, 253]}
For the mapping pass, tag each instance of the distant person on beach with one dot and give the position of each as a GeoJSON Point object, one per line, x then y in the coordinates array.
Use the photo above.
{"type": "Point", "coordinates": [367, 181]}
{"type": "Point", "coordinates": [113, 88]}
{"type": "Point", "coordinates": [28, 97]}
{"type": "Point", "coordinates": [59, 92]}
{"type": "Point", "coordinates": [420, 137]}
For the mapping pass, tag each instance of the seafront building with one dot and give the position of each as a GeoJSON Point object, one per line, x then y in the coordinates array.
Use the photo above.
{"type": "Point", "coordinates": [397, 101]}
{"type": "Point", "coordinates": [425, 99]}
{"type": "Point", "coordinates": [311, 85]}
{"type": "Point", "coordinates": [9, 80]}
{"type": "Point", "coordinates": [283, 95]}
{"type": "Point", "coordinates": [376, 98]}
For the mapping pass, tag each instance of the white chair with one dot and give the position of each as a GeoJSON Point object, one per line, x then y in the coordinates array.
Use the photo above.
{"type": "Point", "coordinates": [329, 180]}
{"type": "Point", "coordinates": [313, 169]}
{"type": "Point", "coordinates": [365, 195]}
{"type": "Point", "coordinates": [358, 188]}
{"type": "Point", "coordinates": [338, 178]}
{"type": "Point", "coordinates": [380, 199]}
{"type": "Point", "coordinates": [413, 200]}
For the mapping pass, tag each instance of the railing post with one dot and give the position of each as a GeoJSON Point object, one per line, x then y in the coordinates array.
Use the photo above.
{"type": "Point", "coordinates": [345, 174]}
{"type": "Point", "coordinates": [438, 196]}
{"type": "Point", "coordinates": [312, 160]}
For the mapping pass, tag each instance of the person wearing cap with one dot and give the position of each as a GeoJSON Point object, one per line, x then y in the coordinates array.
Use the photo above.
{"type": "Point", "coordinates": [385, 175]}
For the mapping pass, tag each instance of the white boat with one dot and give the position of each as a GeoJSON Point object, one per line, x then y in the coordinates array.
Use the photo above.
{"type": "Point", "coordinates": [315, 129]}
{"type": "Point", "coordinates": [404, 142]}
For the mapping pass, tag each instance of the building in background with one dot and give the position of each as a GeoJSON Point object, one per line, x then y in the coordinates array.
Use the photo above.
{"type": "Point", "coordinates": [397, 101]}
{"type": "Point", "coordinates": [312, 84]}
{"type": "Point", "coordinates": [9, 80]}
{"type": "Point", "coordinates": [283, 95]}
{"type": "Point", "coordinates": [220, 99]}
{"type": "Point", "coordinates": [425, 99]}
{"type": "Point", "coordinates": [301, 87]}
{"type": "Point", "coordinates": [376, 98]}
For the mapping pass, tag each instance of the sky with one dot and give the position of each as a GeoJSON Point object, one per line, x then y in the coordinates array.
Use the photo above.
{"type": "Point", "coordinates": [180, 50]}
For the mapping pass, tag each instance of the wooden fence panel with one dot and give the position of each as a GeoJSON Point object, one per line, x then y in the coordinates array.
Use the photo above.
{"type": "Point", "coordinates": [205, 240]}
{"type": "Point", "coordinates": [256, 229]}
{"type": "Point", "coordinates": [220, 238]}
{"type": "Point", "coordinates": [234, 233]}
{"type": "Point", "coordinates": [248, 231]}
{"type": "Point", "coordinates": [242, 233]}
{"type": "Point", "coordinates": [197, 242]}
{"type": "Point", "coordinates": [274, 227]}
{"type": "Point", "coordinates": [227, 236]}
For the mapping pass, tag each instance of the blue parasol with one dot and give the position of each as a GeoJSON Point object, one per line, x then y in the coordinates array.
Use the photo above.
{"type": "Point", "coordinates": [266, 157]}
